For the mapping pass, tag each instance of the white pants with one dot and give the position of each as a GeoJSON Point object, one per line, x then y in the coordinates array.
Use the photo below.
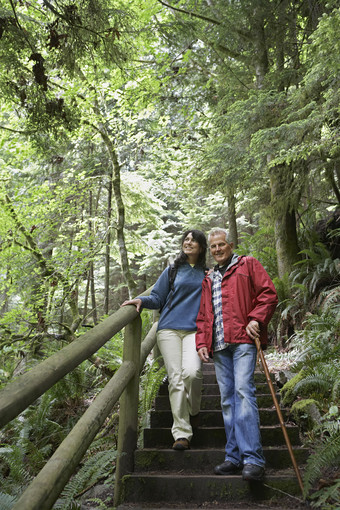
{"type": "Point", "coordinates": [184, 369]}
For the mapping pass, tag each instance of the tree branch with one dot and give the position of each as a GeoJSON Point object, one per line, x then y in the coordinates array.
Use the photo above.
{"type": "Point", "coordinates": [19, 26]}
{"type": "Point", "coordinates": [194, 14]}
{"type": "Point", "coordinates": [61, 16]}
{"type": "Point", "coordinates": [246, 35]}
{"type": "Point", "coordinates": [17, 131]}
{"type": "Point", "coordinates": [15, 15]}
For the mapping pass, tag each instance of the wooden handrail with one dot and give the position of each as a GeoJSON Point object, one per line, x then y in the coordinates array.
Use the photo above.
{"type": "Point", "coordinates": [50, 481]}
{"type": "Point", "coordinates": [26, 388]}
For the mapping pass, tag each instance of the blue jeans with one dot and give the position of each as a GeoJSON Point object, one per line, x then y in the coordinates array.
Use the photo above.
{"type": "Point", "coordinates": [235, 367]}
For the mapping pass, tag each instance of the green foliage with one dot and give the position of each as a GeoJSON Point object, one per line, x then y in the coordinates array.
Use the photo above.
{"type": "Point", "coordinates": [316, 271]}
{"type": "Point", "coordinates": [312, 286]}
{"type": "Point", "coordinates": [305, 413]}
{"type": "Point", "coordinates": [327, 498]}
{"type": "Point", "coordinates": [96, 466]}
{"type": "Point", "coordinates": [29, 440]}
{"type": "Point", "coordinates": [6, 501]}
{"type": "Point", "coordinates": [15, 474]}
{"type": "Point", "coordinates": [261, 245]}
{"type": "Point", "coordinates": [324, 458]}
{"type": "Point", "coordinates": [319, 341]}
{"type": "Point", "coordinates": [288, 389]}
{"type": "Point", "coordinates": [111, 354]}
{"type": "Point", "coordinates": [284, 289]}
{"type": "Point", "coordinates": [150, 381]}
{"type": "Point", "coordinates": [315, 384]}
{"type": "Point", "coordinates": [191, 124]}
{"type": "Point", "coordinates": [316, 353]}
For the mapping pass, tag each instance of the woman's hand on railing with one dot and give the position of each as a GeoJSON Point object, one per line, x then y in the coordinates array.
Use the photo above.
{"type": "Point", "coordinates": [136, 302]}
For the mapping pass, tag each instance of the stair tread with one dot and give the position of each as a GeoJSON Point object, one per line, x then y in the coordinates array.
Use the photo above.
{"type": "Point", "coordinates": [276, 426]}
{"type": "Point", "coordinates": [272, 473]}
{"type": "Point", "coordinates": [212, 449]}
{"type": "Point", "coordinates": [290, 503]}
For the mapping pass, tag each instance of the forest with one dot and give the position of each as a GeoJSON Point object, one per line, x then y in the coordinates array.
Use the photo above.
{"type": "Point", "coordinates": [122, 124]}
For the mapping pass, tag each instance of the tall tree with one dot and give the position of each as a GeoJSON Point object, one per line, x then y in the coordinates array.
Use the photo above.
{"type": "Point", "coordinates": [257, 56]}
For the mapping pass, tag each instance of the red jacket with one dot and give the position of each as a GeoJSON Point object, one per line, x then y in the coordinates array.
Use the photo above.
{"type": "Point", "coordinates": [247, 294]}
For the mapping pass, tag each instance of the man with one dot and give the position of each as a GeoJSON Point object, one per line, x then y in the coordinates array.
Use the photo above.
{"type": "Point", "coordinates": [238, 300]}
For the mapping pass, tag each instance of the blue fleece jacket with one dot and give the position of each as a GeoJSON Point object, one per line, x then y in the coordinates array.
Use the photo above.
{"type": "Point", "coordinates": [185, 299]}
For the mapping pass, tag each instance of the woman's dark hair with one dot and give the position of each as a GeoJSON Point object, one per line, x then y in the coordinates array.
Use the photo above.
{"type": "Point", "coordinates": [202, 241]}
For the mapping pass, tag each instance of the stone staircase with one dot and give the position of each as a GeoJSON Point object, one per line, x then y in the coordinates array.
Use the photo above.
{"type": "Point", "coordinates": [167, 478]}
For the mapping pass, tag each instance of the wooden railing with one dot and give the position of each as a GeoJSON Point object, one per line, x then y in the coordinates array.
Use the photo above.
{"type": "Point", "coordinates": [23, 391]}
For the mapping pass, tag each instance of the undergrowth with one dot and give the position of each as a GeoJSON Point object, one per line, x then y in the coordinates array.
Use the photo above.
{"type": "Point", "coordinates": [314, 308]}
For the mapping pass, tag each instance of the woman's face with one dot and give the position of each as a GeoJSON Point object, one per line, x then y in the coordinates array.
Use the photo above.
{"type": "Point", "coordinates": [191, 248]}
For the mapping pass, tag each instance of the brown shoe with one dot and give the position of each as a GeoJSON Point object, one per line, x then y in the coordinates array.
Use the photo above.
{"type": "Point", "coordinates": [181, 444]}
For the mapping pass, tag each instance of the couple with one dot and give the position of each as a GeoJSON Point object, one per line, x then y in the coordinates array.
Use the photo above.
{"type": "Point", "coordinates": [217, 314]}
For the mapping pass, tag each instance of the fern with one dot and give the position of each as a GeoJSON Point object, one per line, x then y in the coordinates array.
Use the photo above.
{"type": "Point", "coordinates": [327, 498]}
{"type": "Point", "coordinates": [97, 466]}
{"type": "Point", "coordinates": [318, 342]}
{"type": "Point", "coordinates": [6, 501]}
{"type": "Point", "coordinates": [283, 287]}
{"type": "Point", "coordinates": [36, 432]}
{"type": "Point", "coordinates": [318, 253]}
{"type": "Point", "coordinates": [330, 299]}
{"type": "Point", "coordinates": [325, 455]}
{"type": "Point", "coordinates": [15, 474]}
{"type": "Point", "coordinates": [150, 382]}
{"type": "Point", "coordinates": [336, 387]}
{"type": "Point", "coordinates": [316, 273]}
{"type": "Point", "coordinates": [314, 384]}
{"type": "Point", "coordinates": [99, 503]}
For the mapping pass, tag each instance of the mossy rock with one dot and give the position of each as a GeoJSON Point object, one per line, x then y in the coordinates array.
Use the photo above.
{"type": "Point", "coordinates": [288, 390]}
{"type": "Point", "coordinates": [306, 413]}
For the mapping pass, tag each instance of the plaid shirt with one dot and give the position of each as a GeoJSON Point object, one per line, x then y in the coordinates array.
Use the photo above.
{"type": "Point", "coordinates": [219, 342]}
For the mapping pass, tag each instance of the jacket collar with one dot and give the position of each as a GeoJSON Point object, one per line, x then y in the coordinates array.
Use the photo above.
{"type": "Point", "coordinates": [233, 262]}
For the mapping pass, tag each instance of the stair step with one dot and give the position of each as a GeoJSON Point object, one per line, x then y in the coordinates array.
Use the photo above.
{"type": "Point", "coordinates": [213, 418]}
{"type": "Point", "coordinates": [197, 488]}
{"type": "Point", "coordinates": [214, 437]}
{"type": "Point", "coordinates": [209, 376]}
{"type": "Point", "coordinates": [213, 401]}
{"type": "Point", "coordinates": [204, 460]}
{"type": "Point", "coordinates": [213, 389]}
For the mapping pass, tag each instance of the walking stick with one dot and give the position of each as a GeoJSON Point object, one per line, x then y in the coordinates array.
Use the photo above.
{"type": "Point", "coordinates": [278, 410]}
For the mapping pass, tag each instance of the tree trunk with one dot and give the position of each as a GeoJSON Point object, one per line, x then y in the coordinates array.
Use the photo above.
{"type": "Point", "coordinates": [232, 218]}
{"type": "Point", "coordinates": [337, 172]}
{"type": "Point", "coordinates": [108, 248]}
{"type": "Point", "coordinates": [86, 298]}
{"type": "Point", "coordinates": [287, 247]}
{"type": "Point", "coordinates": [280, 47]}
{"type": "Point", "coordinates": [4, 296]}
{"type": "Point", "coordinates": [91, 270]}
{"type": "Point", "coordinates": [330, 174]}
{"type": "Point", "coordinates": [120, 213]}
{"type": "Point", "coordinates": [93, 295]}
{"type": "Point", "coordinates": [261, 56]}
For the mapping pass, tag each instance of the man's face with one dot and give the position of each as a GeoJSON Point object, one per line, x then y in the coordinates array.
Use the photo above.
{"type": "Point", "coordinates": [220, 249]}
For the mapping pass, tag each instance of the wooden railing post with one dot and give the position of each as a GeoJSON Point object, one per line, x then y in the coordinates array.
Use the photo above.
{"type": "Point", "coordinates": [128, 412]}
{"type": "Point", "coordinates": [155, 351]}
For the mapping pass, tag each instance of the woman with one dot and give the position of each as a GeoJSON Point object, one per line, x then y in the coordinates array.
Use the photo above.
{"type": "Point", "coordinates": [178, 302]}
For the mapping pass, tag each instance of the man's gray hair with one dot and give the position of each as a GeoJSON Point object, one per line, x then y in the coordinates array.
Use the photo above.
{"type": "Point", "coordinates": [218, 230]}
